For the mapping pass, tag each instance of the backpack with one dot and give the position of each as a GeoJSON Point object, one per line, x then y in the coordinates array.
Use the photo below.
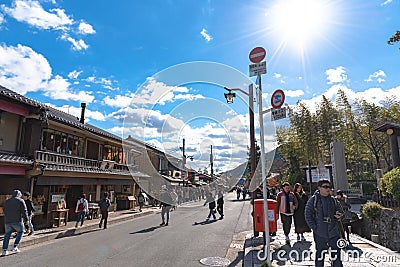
{"type": "Point", "coordinates": [104, 204]}
{"type": "Point", "coordinates": [81, 206]}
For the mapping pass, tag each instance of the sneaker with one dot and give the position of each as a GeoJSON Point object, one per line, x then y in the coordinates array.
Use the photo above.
{"type": "Point", "coordinates": [15, 249]}
{"type": "Point", "coordinates": [31, 233]}
{"type": "Point", "coordinates": [162, 224]}
{"type": "Point", "coordinates": [166, 224]}
{"type": "Point", "coordinates": [207, 219]}
{"type": "Point", "coordinates": [4, 253]}
{"type": "Point", "coordinates": [99, 225]}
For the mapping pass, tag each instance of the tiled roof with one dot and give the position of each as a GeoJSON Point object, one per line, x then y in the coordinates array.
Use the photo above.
{"type": "Point", "coordinates": [20, 98]}
{"type": "Point", "coordinates": [62, 168]}
{"type": "Point", "coordinates": [15, 159]}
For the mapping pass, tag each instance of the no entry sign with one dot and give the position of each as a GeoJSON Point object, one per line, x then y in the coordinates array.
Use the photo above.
{"type": "Point", "coordinates": [257, 54]}
{"type": "Point", "coordinates": [277, 98]}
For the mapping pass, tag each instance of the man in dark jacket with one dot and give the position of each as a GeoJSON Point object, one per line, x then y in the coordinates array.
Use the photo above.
{"type": "Point", "coordinates": [104, 204]}
{"type": "Point", "coordinates": [165, 205]}
{"type": "Point", "coordinates": [30, 208]}
{"type": "Point", "coordinates": [322, 212]}
{"type": "Point", "coordinates": [14, 211]}
{"type": "Point", "coordinates": [220, 204]}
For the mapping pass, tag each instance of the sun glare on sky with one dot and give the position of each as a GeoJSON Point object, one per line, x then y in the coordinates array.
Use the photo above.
{"type": "Point", "coordinates": [299, 23]}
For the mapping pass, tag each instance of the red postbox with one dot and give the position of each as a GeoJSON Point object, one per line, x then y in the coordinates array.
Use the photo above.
{"type": "Point", "coordinates": [259, 215]}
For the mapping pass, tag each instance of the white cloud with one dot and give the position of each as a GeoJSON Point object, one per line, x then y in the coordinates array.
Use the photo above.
{"type": "Point", "coordinates": [74, 74]}
{"type": "Point", "coordinates": [76, 44]}
{"type": "Point", "coordinates": [277, 75]}
{"type": "Point", "coordinates": [23, 70]}
{"type": "Point", "coordinates": [85, 28]}
{"type": "Point", "coordinates": [33, 13]}
{"type": "Point", "coordinates": [294, 93]}
{"type": "Point", "coordinates": [206, 36]}
{"type": "Point", "coordinates": [76, 111]}
{"type": "Point", "coordinates": [118, 101]}
{"type": "Point", "coordinates": [1, 18]}
{"type": "Point", "coordinates": [337, 75]}
{"type": "Point", "coordinates": [376, 75]}
{"type": "Point", "coordinates": [386, 2]}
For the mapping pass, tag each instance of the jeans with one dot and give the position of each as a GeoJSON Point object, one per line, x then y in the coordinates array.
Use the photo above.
{"type": "Point", "coordinates": [165, 210]}
{"type": "Point", "coordinates": [287, 223]}
{"type": "Point", "coordinates": [81, 217]}
{"type": "Point", "coordinates": [30, 223]}
{"type": "Point", "coordinates": [9, 229]}
{"type": "Point", "coordinates": [321, 245]}
{"type": "Point", "coordinates": [212, 212]}
{"type": "Point", "coordinates": [104, 216]}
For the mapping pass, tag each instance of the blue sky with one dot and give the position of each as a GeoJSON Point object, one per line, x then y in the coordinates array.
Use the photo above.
{"type": "Point", "coordinates": [111, 55]}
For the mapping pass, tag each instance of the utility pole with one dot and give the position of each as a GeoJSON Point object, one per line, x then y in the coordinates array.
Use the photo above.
{"type": "Point", "coordinates": [212, 163]}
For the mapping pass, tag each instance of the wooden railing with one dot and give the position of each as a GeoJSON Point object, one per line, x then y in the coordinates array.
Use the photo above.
{"type": "Point", "coordinates": [68, 160]}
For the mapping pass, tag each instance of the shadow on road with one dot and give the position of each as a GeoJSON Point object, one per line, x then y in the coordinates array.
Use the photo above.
{"type": "Point", "coordinates": [204, 222]}
{"type": "Point", "coordinates": [147, 230]}
{"type": "Point", "coordinates": [72, 232]}
{"type": "Point", "coordinates": [237, 260]}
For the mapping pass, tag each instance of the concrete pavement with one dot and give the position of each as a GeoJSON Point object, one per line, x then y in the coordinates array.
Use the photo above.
{"type": "Point", "coordinates": [361, 252]}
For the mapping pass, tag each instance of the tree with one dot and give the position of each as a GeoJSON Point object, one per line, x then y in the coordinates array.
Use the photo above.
{"type": "Point", "coordinates": [395, 38]}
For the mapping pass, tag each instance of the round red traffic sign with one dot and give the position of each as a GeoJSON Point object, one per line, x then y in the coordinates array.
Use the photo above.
{"type": "Point", "coordinates": [257, 54]}
{"type": "Point", "coordinates": [277, 98]}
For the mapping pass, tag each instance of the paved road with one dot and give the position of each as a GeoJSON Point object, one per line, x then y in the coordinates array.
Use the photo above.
{"type": "Point", "coordinates": [141, 242]}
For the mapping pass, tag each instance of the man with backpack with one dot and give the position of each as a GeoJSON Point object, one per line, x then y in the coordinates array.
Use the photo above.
{"type": "Point", "coordinates": [104, 204]}
{"type": "Point", "coordinates": [321, 213]}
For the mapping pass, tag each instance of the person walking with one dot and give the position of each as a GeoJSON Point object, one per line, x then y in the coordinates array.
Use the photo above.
{"type": "Point", "coordinates": [82, 207]}
{"type": "Point", "coordinates": [220, 204]}
{"type": "Point", "coordinates": [211, 205]}
{"type": "Point", "coordinates": [104, 204]}
{"type": "Point", "coordinates": [286, 203]}
{"type": "Point", "coordinates": [174, 197]}
{"type": "Point", "coordinates": [140, 201]}
{"type": "Point", "coordinates": [300, 224]}
{"type": "Point", "coordinates": [30, 208]}
{"type": "Point", "coordinates": [322, 212]}
{"type": "Point", "coordinates": [346, 218]}
{"type": "Point", "coordinates": [15, 211]}
{"type": "Point", "coordinates": [165, 205]}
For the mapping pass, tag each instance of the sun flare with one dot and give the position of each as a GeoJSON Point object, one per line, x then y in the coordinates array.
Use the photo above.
{"type": "Point", "coordinates": [300, 22]}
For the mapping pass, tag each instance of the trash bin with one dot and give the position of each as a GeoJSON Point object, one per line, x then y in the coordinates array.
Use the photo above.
{"type": "Point", "coordinates": [259, 215]}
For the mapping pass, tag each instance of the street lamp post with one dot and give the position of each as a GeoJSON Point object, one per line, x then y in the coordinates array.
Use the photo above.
{"type": "Point", "coordinates": [184, 157]}
{"type": "Point", "coordinates": [229, 97]}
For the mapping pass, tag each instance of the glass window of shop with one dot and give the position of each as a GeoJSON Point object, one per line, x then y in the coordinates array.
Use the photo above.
{"type": "Point", "coordinates": [62, 143]}
{"type": "Point", "coordinates": [113, 153]}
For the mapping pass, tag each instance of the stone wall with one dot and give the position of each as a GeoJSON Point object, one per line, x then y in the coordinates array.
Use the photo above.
{"type": "Point", "coordinates": [387, 227]}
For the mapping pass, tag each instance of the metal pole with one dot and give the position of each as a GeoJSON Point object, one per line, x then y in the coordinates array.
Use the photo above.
{"type": "Point", "coordinates": [310, 176]}
{"type": "Point", "coordinates": [253, 157]}
{"type": "Point", "coordinates": [212, 163]}
{"type": "Point", "coordinates": [263, 174]}
{"type": "Point", "coordinates": [184, 162]}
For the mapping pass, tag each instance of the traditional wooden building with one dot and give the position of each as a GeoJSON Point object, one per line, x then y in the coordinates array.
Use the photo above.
{"type": "Point", "coordinates": [57, 157]}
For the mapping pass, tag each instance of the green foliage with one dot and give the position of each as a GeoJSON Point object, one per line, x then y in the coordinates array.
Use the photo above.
{"type": "Point", "coordinates": [395, 38]}
{"type": "Point", "coordinates": [265, 264]}
{"type": "Point", "coordinates": [391, 182]}
{"type": "Point", "coordinates": [368, 188]}
{"type": "Point", "coordinates": [372, 210]}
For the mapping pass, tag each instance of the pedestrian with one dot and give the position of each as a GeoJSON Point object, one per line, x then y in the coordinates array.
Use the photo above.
{"type": "Point", "coordinates": [30, 208]}
{"type": "Point", "coordinates": [347, 216]}
{"type": "Point", "coordinates": [174, 197]}
{"type": "Point", "coordinates": [286, 203]}
{"type": "Point", "coordinates": [300, 224]}
{"type": "Point", "coordinates": [15, 211]}
{"type": "Point", "coordinates": [220, 204]}
{"type": "Point", "coordinates": [238, 192]}
{"type": "Point", "coordinates": [165, 205]}
{"type": "Point", "coordinates": [104, 204]}
{"type": "Point", "coordinates": [244, 193]}
{"type": "Point", "coordinates": [211, 205]}
{"type": "Point", "coordinates": [140, 200]}
{"type": "Point", "coordinates": [82, 207]}
{"type": "Point", "coordinates": [322, 212]}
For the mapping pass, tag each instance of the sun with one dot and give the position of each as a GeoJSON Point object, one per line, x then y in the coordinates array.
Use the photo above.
{"type": "Point", "coordinates": [300, 22]}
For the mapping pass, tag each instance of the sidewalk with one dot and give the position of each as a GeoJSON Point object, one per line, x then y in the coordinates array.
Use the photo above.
{"type": "Point", "coordinates": [45, 235]}
{"type": "Point", "coordinates": [361, 252]}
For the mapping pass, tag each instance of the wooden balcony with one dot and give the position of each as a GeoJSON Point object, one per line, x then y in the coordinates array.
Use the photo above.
{"type": "Point", "coordinates": [53, 158]}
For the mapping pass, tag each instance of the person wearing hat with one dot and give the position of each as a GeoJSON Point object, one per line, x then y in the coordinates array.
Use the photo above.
{"type": "Point", "coordinates": [14, 211]}
{"type": "Point", "coordinates": [30, 208]}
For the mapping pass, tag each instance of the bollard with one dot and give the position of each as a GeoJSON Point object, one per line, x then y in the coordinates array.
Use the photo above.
{"type": "Point", "coordinates": [375, 238]}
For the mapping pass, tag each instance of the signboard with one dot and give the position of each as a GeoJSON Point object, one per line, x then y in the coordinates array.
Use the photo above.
{"type": "Point", "coordinates": [277, 98]}
{"type": "Point", "coordinates": [257, 55]}
{"type": "Point", "coordinates": [56, 198]}
{"type": "Point", "coordinates": [257, 69]}
{"type": "Point", "coordinates": [278, 113]}
{"type": "Point", "coordinates": [318, 174]}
